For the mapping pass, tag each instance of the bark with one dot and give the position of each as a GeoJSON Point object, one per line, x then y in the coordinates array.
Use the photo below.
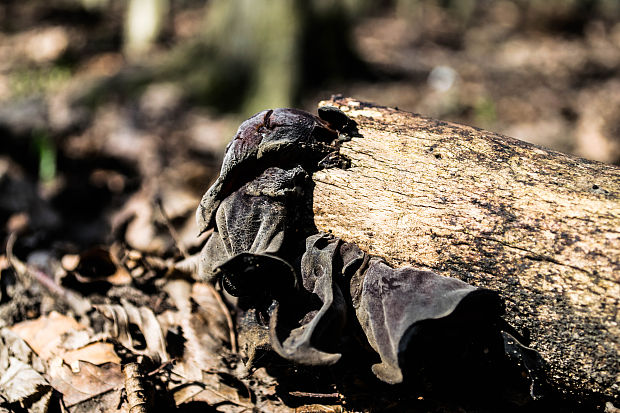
{"type": "Point", "coordinates": [540, 227]}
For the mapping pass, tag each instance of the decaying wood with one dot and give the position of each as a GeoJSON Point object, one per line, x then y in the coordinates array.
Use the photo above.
{"type": "Point", "coordinates": [540, 227]}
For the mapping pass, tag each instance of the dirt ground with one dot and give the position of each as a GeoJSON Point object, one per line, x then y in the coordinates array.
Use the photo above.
{"type": "Point", "coordinates": [100, 176]}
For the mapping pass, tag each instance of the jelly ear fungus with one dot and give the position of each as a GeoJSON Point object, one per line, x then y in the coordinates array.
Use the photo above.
{"type": "Point", "coordinates": [314, 300]}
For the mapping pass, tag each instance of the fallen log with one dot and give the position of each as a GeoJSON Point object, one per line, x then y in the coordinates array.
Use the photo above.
{"type": "Point", "coordinates": [539, 226]}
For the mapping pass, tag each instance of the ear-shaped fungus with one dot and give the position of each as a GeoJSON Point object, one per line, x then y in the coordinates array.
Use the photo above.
{"type": "Point", "coordinates": [257, 218]}
{"type": "Point", "coordinates": [392, 301]}
{"type": "Point", "coordinates": [388, 303]}
{"type": "Point", "coordinates": [317, 274]}
{"type": "Point", "coordinates": [279, 137]}
{"type": "Point", "coordinates": [316, 289]}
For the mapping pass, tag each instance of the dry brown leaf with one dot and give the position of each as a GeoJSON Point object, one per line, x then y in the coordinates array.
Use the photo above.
{"type": "Point", "coordinates": [22, 384]}
{"type": "Point", "coordinates": [13, 346]}
{"type": "Point", "coordinates": [214, 313]}
{"type": "Point", "coordinates": [137, 214]}
{"type": "Point", "coordinates": [21, 380]}
{"type": "Point", "coordinates": [91, 381]}
{"type": "Point", "coordinates": [50, 336]}
{"type": "Point", "coordinates": [96, 353]}
{"type": "Point", "coordinates": [44, 334]}
{"type": "Point", "coordinates": [185, 392]}
{"type": "Point", "coordinates": [204, 328]}
{"type": "Point", "coordinates": [196, 357]}
{"type": "Point", "coordinates": [210, 394]}
{"type": "Point", "coordinates": [96, 265]}
{"type": "Point", "coordinates": [125, 315]}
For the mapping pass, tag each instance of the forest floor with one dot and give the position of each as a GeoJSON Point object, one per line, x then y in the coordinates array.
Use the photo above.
{"type": "Point", "coordinates": [100, 192]}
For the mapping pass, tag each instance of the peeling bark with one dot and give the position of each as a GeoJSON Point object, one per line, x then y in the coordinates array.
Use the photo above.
{"type": "Point", "coordinates": [540, 227]}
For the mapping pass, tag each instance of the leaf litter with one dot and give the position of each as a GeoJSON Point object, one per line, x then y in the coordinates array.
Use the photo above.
{"type": "Point", "coordinates": [182, 338]}
{"type": "Point", "coordinates": [143, 182]}
{"type": "Point", "coordinates": [136, 326]}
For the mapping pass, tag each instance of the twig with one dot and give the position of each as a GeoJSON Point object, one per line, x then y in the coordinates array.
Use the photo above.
{"type": "Point", "coordinates": [226, 311]}
{"type": "Point", "coordinates": [161, 367]}
{"type": "Point", "coordinates": [173, 232]}
{"type": "Point", "coordinates": [19, 267]}
{"type": "Point", "coordinates": [136, 394]}
{"type": "Point", "coordinates": [26, 274]}
{"type": "Point", "coordinates": [315, 395]}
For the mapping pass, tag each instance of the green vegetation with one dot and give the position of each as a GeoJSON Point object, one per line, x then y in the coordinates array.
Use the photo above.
{"type": "Point", "coordinates": [46, 151]}
{"type": "Point", "coordinates": [484, 111]}
{"type": "Point", "coordinates": [38, 80]}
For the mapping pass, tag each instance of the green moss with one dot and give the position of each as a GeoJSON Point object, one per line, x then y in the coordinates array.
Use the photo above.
{"type": "Point", "coordinates": [484, 111]}
{"type": "Point", "coordinates": [32, 81]}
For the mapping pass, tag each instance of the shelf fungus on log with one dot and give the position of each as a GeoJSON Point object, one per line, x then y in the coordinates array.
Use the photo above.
{"type": "Point", "coordinates": [307, 295]}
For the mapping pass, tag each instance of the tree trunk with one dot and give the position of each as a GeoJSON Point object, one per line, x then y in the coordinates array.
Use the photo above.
{"type": "Point", "coordinates": [540, 227]}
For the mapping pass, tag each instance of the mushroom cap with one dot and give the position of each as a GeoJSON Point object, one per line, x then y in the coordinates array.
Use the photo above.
{"type": "Point", "coordinates": [278, 137]}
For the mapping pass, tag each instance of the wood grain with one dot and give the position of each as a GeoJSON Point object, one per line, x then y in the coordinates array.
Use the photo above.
{"type": "Point", "coordinates": [540, 227]}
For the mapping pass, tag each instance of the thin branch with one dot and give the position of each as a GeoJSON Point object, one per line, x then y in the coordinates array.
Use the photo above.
{"type": "Point", "coordinates": [226, 311]}
{"type": "Point", "coordinates": [26, 274]}
{"type": "Point", "coordinates": [173, 232]}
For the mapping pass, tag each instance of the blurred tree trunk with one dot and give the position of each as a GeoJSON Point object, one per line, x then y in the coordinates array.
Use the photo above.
{"type": "Point", "coordinates": [264, 35]}
{"type": "Point", "coordinates": [252, 54]}
{"type": "Point", "coordinates": [540, 227]}
{"type": "Point", "coordinates": [257, 54]}
{"type": "Point", "coordinates": [94, 4]}
{"type": "Point", "coordinates": [143, 23]}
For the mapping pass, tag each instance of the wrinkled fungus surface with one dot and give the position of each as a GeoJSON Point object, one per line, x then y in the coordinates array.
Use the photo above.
{"type": "Point", "coordinates": [309, 296]}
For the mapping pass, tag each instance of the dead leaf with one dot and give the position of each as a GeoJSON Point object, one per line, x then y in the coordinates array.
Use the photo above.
{"type": "Point", "coordinates": [95, 265]}
{"type": "Point", "coordinates": [70, 261]}
{"type": "Point", "coordinates": [91, 380]}
{"type": "Point", "coordinates": [185, 392]}
{"type": "Point", "coordinates": [11, 345]}
{"type": "Point", "coordinates": [55, 336]}
{"type": "Point", "coordinates": [204, 329]}
{"type": "Point", "coordinates": [211, 393]}
{"type": "Point", "coordinates": [214, 313]}
{"type": "Point", "coordinates": [95, 353]}
{"type": "Point", "coordinates": [44, 334]}
{"type": "Point", "coordinates": [87, 380]}
{"type": "Point", "coordinates": [318, 408]}
{"type": "Point", "coordinates": [23, 385]}
{"type": "Point", "coordinates": [136, 217]}
{"type": "Point", "coordinates": [125, 315]}
{"type": "Point", "coordinates": [21, 380]}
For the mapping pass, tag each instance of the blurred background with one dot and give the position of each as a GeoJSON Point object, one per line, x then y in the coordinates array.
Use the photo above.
{"type": "Point", "coordinates": [114, 113]}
